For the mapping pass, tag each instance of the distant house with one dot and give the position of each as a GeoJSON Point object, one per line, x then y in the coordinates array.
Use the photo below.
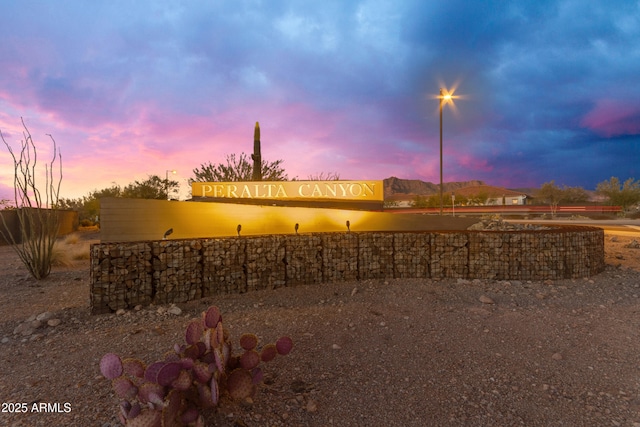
{"type": "Point", "coordinates": [492, 196]}
{"type": "Point", "coordinates": [400, 200]}
{"type": "Point", "coordinates": [477, 195]}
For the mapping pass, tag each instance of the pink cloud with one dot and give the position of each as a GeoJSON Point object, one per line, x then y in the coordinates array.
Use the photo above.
{"type": "Point", "coordinates": [613, 118]}
{"type": "Point", "coordinates": [470, 163]}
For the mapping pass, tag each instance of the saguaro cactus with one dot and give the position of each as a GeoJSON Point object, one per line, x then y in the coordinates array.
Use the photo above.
{"type": "Point", "coordinates": [256, 156]}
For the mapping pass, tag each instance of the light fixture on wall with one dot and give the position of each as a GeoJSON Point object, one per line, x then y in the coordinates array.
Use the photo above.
{"type": "Point", "coordinates": [348, 226]}
{"type": "Point", "coordinates": [238, 228]}
{"type": "Point", "coordinates": [167, 234]}
{"type": "Point", "coordinates": [297, 226]}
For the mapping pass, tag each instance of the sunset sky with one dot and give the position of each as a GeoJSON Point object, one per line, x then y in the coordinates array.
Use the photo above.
{"type": "Point", "coordinates": [550, 90]}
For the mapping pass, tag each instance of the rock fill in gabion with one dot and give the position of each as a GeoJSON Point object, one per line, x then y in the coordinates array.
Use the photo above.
{"type": "Point", "coordinates": [124, 275]}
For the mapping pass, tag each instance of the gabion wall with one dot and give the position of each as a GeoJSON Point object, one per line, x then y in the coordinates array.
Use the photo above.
{"type": "Point", "coordinates": [124, 275]}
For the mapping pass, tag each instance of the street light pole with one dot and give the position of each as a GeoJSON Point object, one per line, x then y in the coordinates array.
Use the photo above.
{"type": "Point", "coordinates": [166, 181]}
{"type": "Point", "coordinates": [445, 96]}
{"type": "Point", "coordinates": [441, 99]}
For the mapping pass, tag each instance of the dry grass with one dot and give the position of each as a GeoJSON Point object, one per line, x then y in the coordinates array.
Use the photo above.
{"type": "Point", "coordinates": [69, 249]}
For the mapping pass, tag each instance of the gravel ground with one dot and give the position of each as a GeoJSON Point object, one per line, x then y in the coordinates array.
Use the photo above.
{"type": "Point", "coordinates": [374, 353]}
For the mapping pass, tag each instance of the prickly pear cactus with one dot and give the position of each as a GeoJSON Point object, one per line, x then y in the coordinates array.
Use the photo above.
{"type": "Point", "coordinates": [192, 378]}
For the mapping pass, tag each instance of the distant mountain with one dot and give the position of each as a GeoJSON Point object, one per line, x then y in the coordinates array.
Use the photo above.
{"type": "Point", "coordinates": [396, 186]}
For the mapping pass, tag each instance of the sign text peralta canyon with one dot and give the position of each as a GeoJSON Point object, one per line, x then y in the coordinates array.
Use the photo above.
{"type": "Point", "coordinates": [291, 190]}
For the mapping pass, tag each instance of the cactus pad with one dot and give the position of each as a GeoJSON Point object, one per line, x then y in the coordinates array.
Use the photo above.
{"type": "Point", "coordinates": [150, 393]}
{"type": "Point", "coordinates": [135, 410]}
{"type": "Point", "coordinates": [169, 373]}
{"type": "Point", "coordinates": [173, 403]}
{"type": "Point", "coordinates": [221, 334]}
{"type": "Point", "coordinates": [151, 373]}
{"type": "Point", "coordinates": [212, 317]}
{"type": "Point", "coordinates": [201, 372]}
{"type": "Point", "coordinates": [249, 359]}
{"type": "Point", "coordinates": [190, 415]}
{"type": "Point", "coordinates": [215, 392]}
{"type": "Point", "coordinates": [133, 367]}
{"type": "Point", "coordinates": [124, 388]}
{"type": "Point", "coordinates": [284, 345]}
{"type": "Point", "coordinates": [194, 332]}
{"type": "Point", "coordinates": [219, 360]}
{"type": "Point", "coordinates": [248, 341]}
{"type": "Point", "coordinates": [186, 363]}
{"type": "Point", "coordinates": [269, 352]}
{"type": "Point", "coordinates": [183, 382]}
{"type": "Point", "coordinates": [195, 351]}
{"type": "Point", "coordinates": [205, 395]}
{"type": "Point", "coordinates": [239, 384]}
{"type": "Point", "coordinates": [257, 375]}
{"type": "Point", "coordinates": [111, 366]}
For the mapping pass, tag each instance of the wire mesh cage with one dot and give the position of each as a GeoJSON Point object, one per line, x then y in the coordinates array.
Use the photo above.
{"type": "Point", "coordinates": [168, 271]}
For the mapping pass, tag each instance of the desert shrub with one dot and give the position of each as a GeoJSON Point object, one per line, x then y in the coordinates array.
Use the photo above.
{"type": "Point", "coordinates": [71, 239]}
{"type": "Point", "coordinates": [68, 249]}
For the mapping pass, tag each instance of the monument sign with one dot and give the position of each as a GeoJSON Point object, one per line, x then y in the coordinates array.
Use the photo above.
{"type": "Point", "coordinates": [291, 190]}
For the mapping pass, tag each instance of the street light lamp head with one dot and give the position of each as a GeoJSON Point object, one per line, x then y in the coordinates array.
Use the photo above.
{"type": "Point", "coordinates": [447, 96]}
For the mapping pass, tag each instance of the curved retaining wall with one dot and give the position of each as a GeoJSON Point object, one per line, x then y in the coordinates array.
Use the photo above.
{"type": "Point", "coordinates": [124, 275]}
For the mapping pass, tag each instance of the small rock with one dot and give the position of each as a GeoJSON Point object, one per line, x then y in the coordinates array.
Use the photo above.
{"type": "Point", "coordinates": [43, 317]}
{"type": "Point", "coordinates": [137, 307]}
{"type": "Point", "coordinates": [556, 356]}
{"type": "Point", "coordinates": [311, 406]}
{"type": "Point", "coordinates": [35, 324]}
{"type": "Point", "coordinates": [120, 312]}
{"type": "Point", "coordinates": [24, 329]}
{"type": "Point", "coordinates": [486, 300]}
{"type": "Point", "coordinates": [5, 340]}
{"type": "Point", "coordinates": [53, 322]}
{"type": "Point", "coordinates": [175, 310]}
{"type": "Point", "coordinates": [354, 291]}
{"type": "Point", "coordinates": [161, 310]}
{"type": "Point", "coordinates": [336, 347]}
